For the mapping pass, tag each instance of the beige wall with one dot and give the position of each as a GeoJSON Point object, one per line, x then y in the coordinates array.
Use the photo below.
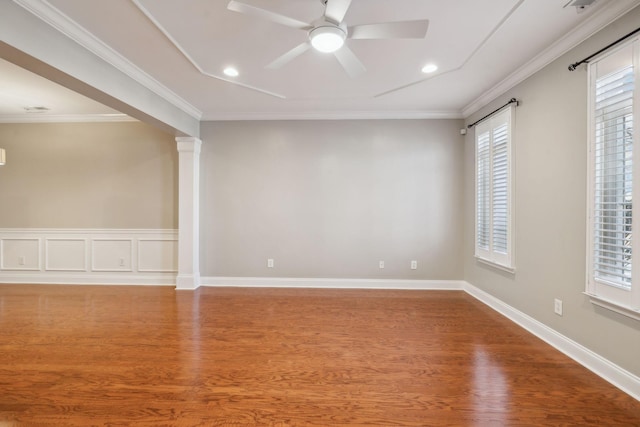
{"type": "Point", "coordinates": [330, 199]}
{"type": "Point", "coordinates": [550, 208]}
{"type": "Point", "coordinates": [88, 175]}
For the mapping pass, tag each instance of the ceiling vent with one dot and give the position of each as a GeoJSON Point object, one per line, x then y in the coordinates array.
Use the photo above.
{"type": "Point", "coordinates": [36, 109]}
{"type": "Point", "coordinates": [580, 5]}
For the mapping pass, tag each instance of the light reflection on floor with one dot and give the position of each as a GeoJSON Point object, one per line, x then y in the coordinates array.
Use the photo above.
{"type": "Point", "coordinates": [490, 388]}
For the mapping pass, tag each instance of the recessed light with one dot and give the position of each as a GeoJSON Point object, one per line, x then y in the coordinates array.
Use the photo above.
{"type": "Point", "coordinates": [231, 72]}
{"type": "Point", "coordinates": [429, 68]}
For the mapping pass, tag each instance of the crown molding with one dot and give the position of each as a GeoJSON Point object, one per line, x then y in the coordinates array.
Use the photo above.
{"type": "Point", "coordinates": [334, 115]}
{"type": "Point", "coordinates": [52, 16]}
{"type": "Point", "coordinates": [607, 13]}
{"type": "Point", "coordinates": [64, 118]}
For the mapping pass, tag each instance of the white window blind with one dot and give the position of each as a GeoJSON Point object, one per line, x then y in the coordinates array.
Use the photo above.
{"type": "Point", "coordinates": [483, 198]}
{"type": "Point", "coordinates": [613, 161]}
{"type": "Point", "coordinates": [493, 190]}
{"type": "Point", "coordinates": [500, 172]}
{"type": "Point", "coordinates": [613, 177]}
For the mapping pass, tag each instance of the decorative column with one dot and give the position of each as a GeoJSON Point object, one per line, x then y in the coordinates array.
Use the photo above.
{"type": "Point", "coordinates": [188, 213]}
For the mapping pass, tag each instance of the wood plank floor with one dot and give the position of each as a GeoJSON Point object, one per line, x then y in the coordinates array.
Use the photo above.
{"type": "Point", "coordinates": [151, 356]}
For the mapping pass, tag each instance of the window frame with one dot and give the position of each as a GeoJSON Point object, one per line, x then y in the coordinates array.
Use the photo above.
{"type": "Point", "coordinates": [501, 261]}
{"type": "Point", "coordinates": [600, 291]}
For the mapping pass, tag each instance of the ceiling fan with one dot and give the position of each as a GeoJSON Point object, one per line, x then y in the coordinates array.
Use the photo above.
{"type": "Point", "coordinates": [329, 32]}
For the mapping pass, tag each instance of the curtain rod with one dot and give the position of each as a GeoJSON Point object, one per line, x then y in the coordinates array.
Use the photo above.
{"type": "Point", "coordinates": [573, 66]}
{"type": "Point", "coordinates": [511, 101]}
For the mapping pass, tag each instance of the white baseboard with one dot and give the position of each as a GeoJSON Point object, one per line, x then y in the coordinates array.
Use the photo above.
{"type": "Point", "coordinates": [288, 282]}
{"type": "Point", "coordinates": [624, 380]}
{"type": "Point", "coordinates": [89, 279]}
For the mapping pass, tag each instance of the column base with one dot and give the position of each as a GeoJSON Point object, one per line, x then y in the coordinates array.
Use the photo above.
{"type": "Point", "coordinates": [187, 282]}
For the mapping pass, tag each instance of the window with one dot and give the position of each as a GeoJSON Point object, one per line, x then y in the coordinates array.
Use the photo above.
{"type": "Point", "coordinates": [494, 211]}
{"type": "Point", "coordinates": [614, 180]}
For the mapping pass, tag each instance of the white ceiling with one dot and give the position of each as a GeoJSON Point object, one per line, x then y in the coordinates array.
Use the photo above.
{"type": "Point", "coordinates": [21, 89]}
{"type": "Point", "coordinates": [185, 45]}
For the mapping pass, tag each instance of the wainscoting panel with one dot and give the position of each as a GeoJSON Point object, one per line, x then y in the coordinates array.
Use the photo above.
{"type": "Point", "coordinates": [158, 255]}
{"type": "Point", "coordinates": [112, 255]}
{"type": "Point", "coordinates": [20, 253]}
{"type": "Point", "coordinates": [65, 254]}
{"type": "Point", "coordinates": [88, 256]}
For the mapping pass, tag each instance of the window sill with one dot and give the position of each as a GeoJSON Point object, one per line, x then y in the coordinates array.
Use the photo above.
{"type": "Point", "coordinates": [610, 305]}
{"type": "Point", "coordinates": [495, 265]}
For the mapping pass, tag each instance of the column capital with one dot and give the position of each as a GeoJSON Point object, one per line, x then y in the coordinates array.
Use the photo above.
{"type": "Point", "coordinates": [188, 143]}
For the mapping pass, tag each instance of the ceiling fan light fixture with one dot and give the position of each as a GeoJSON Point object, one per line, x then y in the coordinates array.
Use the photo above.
{"type": "Point", "coordinates": [327, 38]}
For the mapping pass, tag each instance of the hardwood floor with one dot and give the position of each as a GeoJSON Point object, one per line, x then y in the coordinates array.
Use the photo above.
{"type": "Point", "coordinates": [151, 356]}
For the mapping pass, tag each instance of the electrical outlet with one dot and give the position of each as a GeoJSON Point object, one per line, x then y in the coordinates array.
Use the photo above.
{"type": "Point", "coordinates": [270, 263]}
{"type": "Point", "coordinates": [557, 306]}
{"type": "Point", "coordinates": [381, 264]}
{"type": "Point", "coordinates": [414, 265]}
{"type": "Point", "coordinates": [22, 260]}
{"type": "Point", "coordinates": [121, 263]}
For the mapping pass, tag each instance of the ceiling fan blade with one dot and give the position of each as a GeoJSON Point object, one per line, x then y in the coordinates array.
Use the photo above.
{"type": "Point", "coordinates": [236, 6]}
{"type": "Point", "coordinates": [391, 30]}
{"type": "Point", "coordinates": [289, 56]}
{"type": "Point", "coordinates": [349, 62]}
{"type": "Point", "coordinates": [336, 9]}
